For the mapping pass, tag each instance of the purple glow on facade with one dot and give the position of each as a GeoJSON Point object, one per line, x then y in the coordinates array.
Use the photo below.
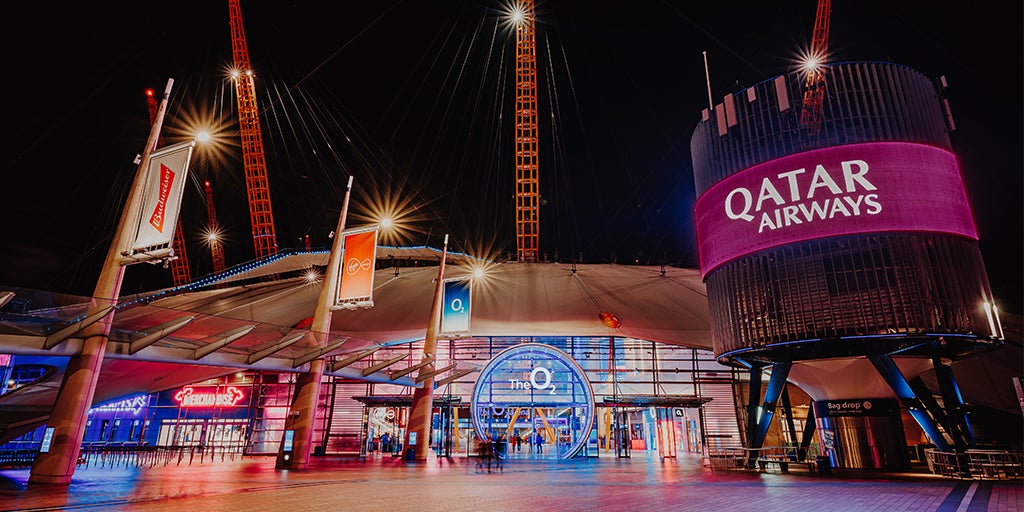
{"type": "Point", "coordinates": [844, 190]}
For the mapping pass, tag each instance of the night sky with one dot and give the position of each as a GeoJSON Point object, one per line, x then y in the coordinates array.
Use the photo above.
{"type": "Point", "coordinates": [414, 99]}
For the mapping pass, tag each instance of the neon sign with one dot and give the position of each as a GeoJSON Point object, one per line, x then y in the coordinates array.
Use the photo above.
{"type": "Point", "coordinates": [189, 397]}
{"type": "Point", "coordinates": [853, 189]}
{"type": "Point", "coordinates": [133, 405]}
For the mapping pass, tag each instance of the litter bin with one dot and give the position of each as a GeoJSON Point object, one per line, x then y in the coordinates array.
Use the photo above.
{"type": "Point", "coordinates": [823, 465]}
{"type": "Point", "coordinates": [318, 451]}
{"type": "Point", "coordinates": [410, 453]}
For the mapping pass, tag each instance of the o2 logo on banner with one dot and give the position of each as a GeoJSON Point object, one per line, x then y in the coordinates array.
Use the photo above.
{"type": "Point", "coordinates": [457, 299]}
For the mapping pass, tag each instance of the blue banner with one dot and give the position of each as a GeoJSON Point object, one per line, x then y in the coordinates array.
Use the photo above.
{"type": "Point", "coordinates": [456, 312]}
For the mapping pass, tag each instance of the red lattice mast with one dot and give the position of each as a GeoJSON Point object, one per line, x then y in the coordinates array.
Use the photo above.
{"type": "Point", "coordinates": [527, 195]}
{"type": "Point", "coordinates": [814, 84]}
{"type": "Point", "coordinates": [180, 271]}
{"type": "Point", "coordinates": [253, 158]}
{"type": "Point", "coordinates": [214, 232]}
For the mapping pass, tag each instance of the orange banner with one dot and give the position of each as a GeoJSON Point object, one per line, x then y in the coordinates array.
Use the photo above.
{"type": "Point", "coordinates": [357, 266]}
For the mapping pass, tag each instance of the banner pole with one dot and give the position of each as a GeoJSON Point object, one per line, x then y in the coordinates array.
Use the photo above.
{"type": "Point", "coordinates": [417, 435]}
{"type": "Point", "coordinates": [57, 463]}
{"type": "Point", "coordinates": [302, 414]}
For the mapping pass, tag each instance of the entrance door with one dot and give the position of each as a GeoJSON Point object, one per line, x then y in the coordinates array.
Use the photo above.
{"type": "Point", "coordinates": [445, 434]}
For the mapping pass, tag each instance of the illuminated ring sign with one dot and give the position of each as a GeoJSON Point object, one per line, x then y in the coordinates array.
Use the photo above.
{"type": "Point", "coordinates": [534, 386]}
{"type": "Point", "coordinates": [853, 189]}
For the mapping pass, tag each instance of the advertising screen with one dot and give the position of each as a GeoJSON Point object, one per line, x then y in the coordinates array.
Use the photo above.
{"type": "Point", "coordinates": [853, 189]}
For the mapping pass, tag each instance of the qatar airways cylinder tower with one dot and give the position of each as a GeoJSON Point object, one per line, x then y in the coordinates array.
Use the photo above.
{"type": "Point", "coordinates": [839, 252]}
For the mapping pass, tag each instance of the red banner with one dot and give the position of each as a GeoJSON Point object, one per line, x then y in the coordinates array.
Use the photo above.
{"type": "Point", "coordinates": [159, 210]}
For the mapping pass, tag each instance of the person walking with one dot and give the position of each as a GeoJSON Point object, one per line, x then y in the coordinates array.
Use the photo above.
{"type": "Point", "coordinates": [540, 443]}
{"type": "Point", "coordinates": [500, 452]}
{"type": "Point", "coordinates": [485, 452]}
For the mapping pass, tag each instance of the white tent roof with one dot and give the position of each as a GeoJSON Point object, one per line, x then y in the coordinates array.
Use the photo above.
{"type": "Point", "coordinates": [666, 305]}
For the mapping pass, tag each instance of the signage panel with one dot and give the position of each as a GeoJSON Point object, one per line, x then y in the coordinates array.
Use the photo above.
{"type": "Point", "coordinates": [358, 259]}
{"type": "Point", "coordinates": [191, 397]}
{"type": "Point", "coordinates": [132, 405]}
{"type": "Point", "coordinates": [161, 199]}
{"type": "Point", "coordinates": [853, 189]}
{"type": "Point", "coordinates": [856, 407]}
{"type": "Point", "coordinates": [47, 440]}
{"type": "Point", "coordinates": [455, 316]}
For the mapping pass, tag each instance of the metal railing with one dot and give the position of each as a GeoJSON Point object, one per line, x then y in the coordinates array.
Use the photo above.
{"type": "Point", "coordinates": [107, 455]}
{"type": "Point", "coordinates": [977, 464]}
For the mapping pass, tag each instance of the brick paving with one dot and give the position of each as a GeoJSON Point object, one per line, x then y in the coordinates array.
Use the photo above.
{"type": "Point", "coordinates": [642, 483]}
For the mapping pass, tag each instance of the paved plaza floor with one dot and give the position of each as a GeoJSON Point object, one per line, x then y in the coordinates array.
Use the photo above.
{"type": "Point", "coordinates": [382, 483]}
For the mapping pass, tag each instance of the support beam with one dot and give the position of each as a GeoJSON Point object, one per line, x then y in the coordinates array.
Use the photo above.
{"type": "Point", "coordinates": [278, 346]}
{"type": "Point", "coordinates": [320, 352]}
{"type": "Point", "coordinates": [930, 404]}
{"type": "Point", "coordinates": [417, 432]}
{"type": "Point", "coordinates": [453, 377]}
{"type": "Point", "coordinates": [892, 375]}
{"type": "Point", "coordinates": [960, 428]}
{"type": "Point", "coordinates": [91, 317]}
{"type": "Point", "coordinates": [71, 408]}
{"type": "Point", "coordinates": [342, 363]}
{"type": "Point", "coordinates": [301, 420]}
{"type": "Point", "coordinates": [423, 377]}
{"type": "Point", "coordinates": [369, 370]}
{"type": "Point", "coordinates": [787, 409]}
{"type": "Point", "coordinates": [753, 400]}
{"type": "Point", "coordinates": [776, 383]}
{"type": "Point", "coordinates": [402, 373]}
{"type": "Point", "coordinates": [808, 435]}
{"type": "Point", "coordinates": [158, 333]}
{"type": "Point", "coordinates": [226, 339]}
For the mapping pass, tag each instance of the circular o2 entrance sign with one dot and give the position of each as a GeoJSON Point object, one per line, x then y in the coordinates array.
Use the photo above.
{"type": "Point", "coordinates": [538, 393]}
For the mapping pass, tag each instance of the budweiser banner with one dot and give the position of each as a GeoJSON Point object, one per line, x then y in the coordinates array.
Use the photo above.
{"type": "Point", "coordinates": [161, 202]}
{"type": "Point", "coordinates": [456, 313]}
{"type": "Point", "coordinates": [355, 277]}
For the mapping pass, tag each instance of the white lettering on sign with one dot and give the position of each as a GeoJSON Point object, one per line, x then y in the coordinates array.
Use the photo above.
{"type": "Point", "coordinates": [849, 406]}
{"type": "Point", "coordinates": [532, 383]}
{"type": "Point", "coordinates": [797, 202]}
